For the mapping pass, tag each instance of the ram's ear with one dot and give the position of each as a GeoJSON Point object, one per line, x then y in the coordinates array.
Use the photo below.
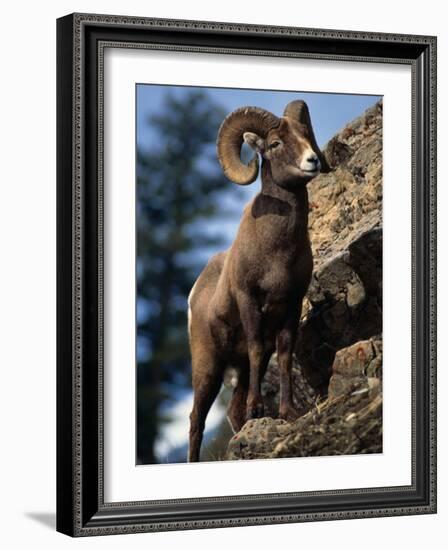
{"type": "Point", "coordinates": [254, 141]}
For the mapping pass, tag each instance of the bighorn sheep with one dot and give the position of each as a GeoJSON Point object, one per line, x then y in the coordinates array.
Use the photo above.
{"type": "Point", "coordinates": [246, 303]}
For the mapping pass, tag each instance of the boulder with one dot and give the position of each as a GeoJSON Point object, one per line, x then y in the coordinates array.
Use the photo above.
{"type": "Point", "coordinates": [344, 300]}
{"type": "Point", "coordinates": [348, 421]}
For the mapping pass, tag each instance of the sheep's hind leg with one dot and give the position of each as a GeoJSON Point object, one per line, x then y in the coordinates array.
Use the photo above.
{"type": "Point", "coordinates": [207, 378]}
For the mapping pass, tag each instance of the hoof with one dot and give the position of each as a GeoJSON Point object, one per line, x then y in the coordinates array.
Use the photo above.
{"type": "Point", "coordinates": [255, 410]}
{"type": "Point", "coordinates": [288, 413]}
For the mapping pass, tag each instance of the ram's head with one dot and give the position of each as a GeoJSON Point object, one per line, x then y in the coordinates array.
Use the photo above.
{"type": "Point", "coordinates": [287, 143]}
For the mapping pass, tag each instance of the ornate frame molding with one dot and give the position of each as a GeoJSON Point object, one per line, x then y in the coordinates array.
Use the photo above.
{"type": "Point", "coordinates": [81, 42]}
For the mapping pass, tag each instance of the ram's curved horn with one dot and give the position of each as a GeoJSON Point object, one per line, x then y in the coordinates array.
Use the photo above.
{"type": "Point", "coordinates": [298, 110]}
{"type": "Point", "coordinates": [230, 140]}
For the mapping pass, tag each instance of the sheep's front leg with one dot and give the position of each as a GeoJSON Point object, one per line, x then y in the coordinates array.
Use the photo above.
{"type": "Point", "coordinates": [286, 339]}
{"type": "Point", "coordinates": [251, 320]}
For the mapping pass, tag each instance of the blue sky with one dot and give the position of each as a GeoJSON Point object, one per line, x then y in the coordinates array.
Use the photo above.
{"type": "Point", "coordinates": [329, 112]}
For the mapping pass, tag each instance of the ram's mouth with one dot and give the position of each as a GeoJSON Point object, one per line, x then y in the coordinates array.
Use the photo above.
{"type": "Point", "coordinates": [311, 172]}
{"type": "Point", "coordinates": [298, 172]}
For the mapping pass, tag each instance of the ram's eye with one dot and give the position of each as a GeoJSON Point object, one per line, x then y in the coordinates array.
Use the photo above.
{"type": "Point", "coordinates": [274, 144]}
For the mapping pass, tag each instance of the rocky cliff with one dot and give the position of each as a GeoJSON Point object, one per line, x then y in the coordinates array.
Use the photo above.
{"type": "Point", "coordinates": [338, 366]}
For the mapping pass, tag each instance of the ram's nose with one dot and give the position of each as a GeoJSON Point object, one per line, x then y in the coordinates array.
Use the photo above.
{"type": "Point", "coordinates": [310, 162]}
{"type": "Point", "coordinates": [313, 159]}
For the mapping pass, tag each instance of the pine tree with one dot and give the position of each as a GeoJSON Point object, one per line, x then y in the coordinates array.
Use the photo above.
{"type": "Point", "coordinates": [179, 184]}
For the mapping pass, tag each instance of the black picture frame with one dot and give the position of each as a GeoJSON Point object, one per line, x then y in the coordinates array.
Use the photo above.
{"type": "Point", "coordinates": [81, 510]}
